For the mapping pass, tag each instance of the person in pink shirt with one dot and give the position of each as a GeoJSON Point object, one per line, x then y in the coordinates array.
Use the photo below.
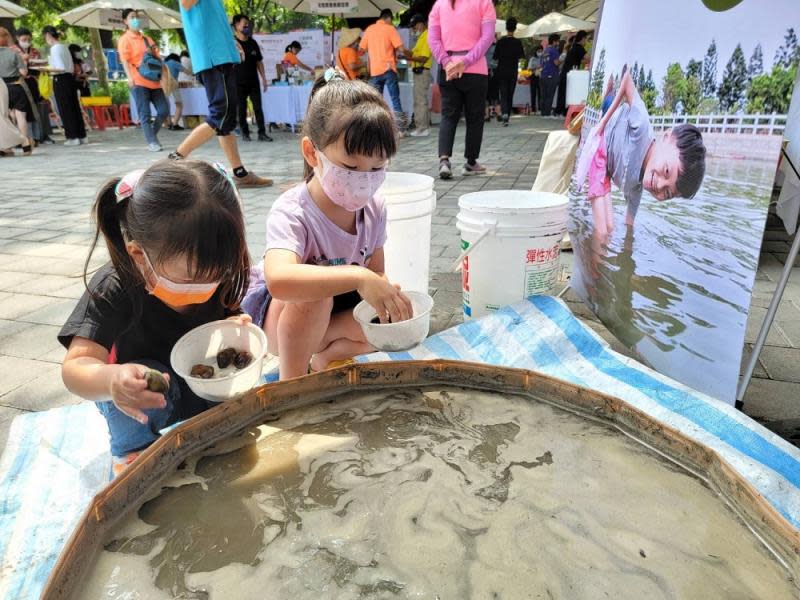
{"type": "Point", "coordinates": [459, 33]}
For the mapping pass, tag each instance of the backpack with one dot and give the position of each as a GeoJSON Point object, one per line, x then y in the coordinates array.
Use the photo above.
{"type": "Point", "coordinates": [151, 66]}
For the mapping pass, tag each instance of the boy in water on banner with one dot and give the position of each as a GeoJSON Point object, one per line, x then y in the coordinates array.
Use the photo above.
{"type": "Point", "coordinates": [622, 148]}
{"type": "Point", "coordinates": [325, 236]}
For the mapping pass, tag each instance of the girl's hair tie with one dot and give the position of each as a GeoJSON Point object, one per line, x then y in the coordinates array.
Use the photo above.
{"type": "Point", "coordinates": [124, 188]}
{"type": "Point", "coordinates": [332, 74]}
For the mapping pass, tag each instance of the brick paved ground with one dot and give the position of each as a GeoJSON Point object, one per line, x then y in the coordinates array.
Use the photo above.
{"type": "Point", "coordinates": [45, 231]}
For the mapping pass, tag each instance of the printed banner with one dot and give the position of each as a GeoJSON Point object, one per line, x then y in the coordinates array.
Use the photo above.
{"type": "Point", "coordinates": [678, 156]}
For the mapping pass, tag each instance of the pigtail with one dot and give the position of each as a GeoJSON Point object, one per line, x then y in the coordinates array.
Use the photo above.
{"type": "Point", "coordinates": [109, 216]}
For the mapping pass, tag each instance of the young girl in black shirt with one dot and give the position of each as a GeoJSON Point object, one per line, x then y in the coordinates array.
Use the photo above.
{"type": "Point", "coordinates": [179, 259]}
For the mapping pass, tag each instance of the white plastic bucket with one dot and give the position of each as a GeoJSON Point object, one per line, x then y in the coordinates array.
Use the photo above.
{"type": "Point", "coordinates": [410, 201]}
{"type": "Point", "coordinates": [510, 243]}
{"type": "Point", "coordinates": [577, 87]}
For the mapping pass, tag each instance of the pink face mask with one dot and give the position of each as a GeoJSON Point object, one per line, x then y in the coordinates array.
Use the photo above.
{"type": "Point", "coordinates": [349, 189]}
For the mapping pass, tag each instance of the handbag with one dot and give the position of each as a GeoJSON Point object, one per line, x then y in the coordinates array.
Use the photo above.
{"type": "Point", "coordinates": [169, 83]}
{"type": "Point", "coordinates": [45, 83]}
{"type": "Point", "coordinates": [151, 66]}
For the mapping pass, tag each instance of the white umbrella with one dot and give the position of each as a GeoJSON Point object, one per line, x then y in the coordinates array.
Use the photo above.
{"type": "Point", "coordinates": [107, 14]}
{"type": "Point", "coordinates": [9, 10]}
{"type": "Point", "coordinates": [521, 32]}
{"type": "Point", "coordinates": [588, 10]}
{"type": "Point", "coordinates": [555, 22]}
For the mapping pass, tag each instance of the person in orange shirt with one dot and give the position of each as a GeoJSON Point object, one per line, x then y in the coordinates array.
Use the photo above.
{"type": "Point", "coordinates": [292, 50]}
{"type": "Point", "coordinates": [347, 58]}
{"type": "Point", "coordinates": [383, 43]}
{"type": "Point", "coordinates": [132, 46]}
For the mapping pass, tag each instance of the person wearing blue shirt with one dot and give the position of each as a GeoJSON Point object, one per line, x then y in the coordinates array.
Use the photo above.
{"type": "Point", "coordinates": [214, 55]}
{"type": "Point", "coordinates": [173, 62]}
{"type": "Point", "coordinates": [548, 80]}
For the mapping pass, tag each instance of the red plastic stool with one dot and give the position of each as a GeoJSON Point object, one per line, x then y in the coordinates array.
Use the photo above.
{"type": "Point", "coordinates": [124, 111]}
{"type": "Point", "coordinates": [572, 111]}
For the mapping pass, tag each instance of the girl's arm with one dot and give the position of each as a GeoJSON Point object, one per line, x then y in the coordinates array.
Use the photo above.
{"type": "Point", "coordinates": [627, 91]}
{"type": "Point", "coordinates": [304, 66]}
{"type": "Point", "coordinates": [86, 373]}
{"type": "Point", "coordinates": [436, 46]}
{"type": "Point", "coordinates": [291, 281]}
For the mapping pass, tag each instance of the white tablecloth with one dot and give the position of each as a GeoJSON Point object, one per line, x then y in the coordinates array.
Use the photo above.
{"type": "Point", "coordinates": [281, 103]}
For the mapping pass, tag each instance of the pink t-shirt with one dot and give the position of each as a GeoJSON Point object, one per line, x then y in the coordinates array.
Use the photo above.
{"type": "Point", "coordinates": [461, 26]}
{"type": "Point", "coordinates": [296, 223]}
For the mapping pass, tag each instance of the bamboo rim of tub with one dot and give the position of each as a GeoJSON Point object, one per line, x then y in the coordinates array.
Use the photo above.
{"type": "Point", "coordinates": [129, 490]}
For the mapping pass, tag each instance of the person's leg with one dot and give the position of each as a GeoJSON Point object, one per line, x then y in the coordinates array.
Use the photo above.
{"type": "Point", "coordinates": [609, 209]}
{"type": "Point", "coordinates": [258, 111]}
{"type": "Point", "coordinates": [474, 87]}
{"type": "Point", "coordinates": [549, 91]}
{"type": "Point", "coordinates": [534, 93]}
{"type": "Point", "coordinates": [424, 118]}
{"type": "Point", "coordinates": [242, 106]}
{"type": "Point", "coordinates": [394, 92]}
{"type": "Point", "coordinates": [80, 124]}
{"type": "Point", "coordinates": [141, 97]}
{"type": "Point", "coordinates": [198, 136]}
{"type": "Point", "coordinates": [542, 92]}
{"type": "Point", "coordinates": [599, 216]}
{"type": "Point", "coordinates": [298, 328]}
{"type": "Point", "coordinates": [63, 89]}
{"type": "Point", "coordinates": [22, 123]}
{"type": "Point", "coordinates": [161, 103]}
{"type": "Point", "coordinates": [452, 103]}
{"type": "Point", "coordinates": [176, 118]}
{"type": "Point", "coordinates": [561, 100]}
{"type": "Point", "coordinates": [127, 434]}
{"type": "Point", "coordinates": [378, 81]}
{"type": "Point", "coordinates": [343, 339]}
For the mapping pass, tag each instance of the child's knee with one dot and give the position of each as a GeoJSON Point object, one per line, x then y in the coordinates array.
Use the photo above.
{"type": "Point", "coordinates": [311, 309]}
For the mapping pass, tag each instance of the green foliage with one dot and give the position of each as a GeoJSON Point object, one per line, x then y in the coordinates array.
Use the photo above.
{"type": "Point", "coordinates": [269, 17]}
{"type": "Point", "coordinates": [598, 77]}
{"type": "Point", "coordinates": [649, 97]}
{"type": "Point", "coordinates": [527, 11]}
{"type": "Point", "coordinates": [732, 89]}
{"type": "Point", "coordinates": [771, 93]}
{"type": "Point", "coordinates": [119, 92]}
{"type": "Point", "coordinates": [694, 68]}
{"type": "Point", "coordinates": [680, 87]}
{"type": "Point", "coordinates": [708, 106]}
{"type": "Point", "coordinates": [709, 78]}
{"type": "Point", "coordinates": [756, 65]}
{"type": "Point", "coordinates": [789, 53]}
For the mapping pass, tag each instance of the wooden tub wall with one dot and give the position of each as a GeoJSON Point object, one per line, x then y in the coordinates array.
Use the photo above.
{"type": "Point", "coordinates": [129, 490]}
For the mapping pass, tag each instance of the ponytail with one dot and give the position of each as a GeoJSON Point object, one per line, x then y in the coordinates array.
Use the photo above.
{"type": "Point", "coordinates": [109, 218]}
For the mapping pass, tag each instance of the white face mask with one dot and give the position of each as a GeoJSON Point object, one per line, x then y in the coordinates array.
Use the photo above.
{"type": "Point", "coordinates": [24, 45]}
{"type": "Point", "coordinates": [351, 190]}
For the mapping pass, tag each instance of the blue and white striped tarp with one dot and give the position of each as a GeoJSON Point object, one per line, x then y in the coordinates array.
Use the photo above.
{"type": "Point", "coordinates": [57, 460]}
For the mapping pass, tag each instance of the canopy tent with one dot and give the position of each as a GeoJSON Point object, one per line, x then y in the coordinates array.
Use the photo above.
{"type": "Point", "coordinates": [587, 10]}
{"type": "Point", "coordinates": [107, 14]}
{"type": "Point", "coordinates": [9, 10]}
{"type": "Point", "coordinates": [555, 22]}
{"type": "Point", "coordinates": [350, 9]}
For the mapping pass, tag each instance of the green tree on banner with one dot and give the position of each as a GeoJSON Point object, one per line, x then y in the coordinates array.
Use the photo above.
{"type": "Point", "coordinates": [734, 82]}
{"type": "Point", "coordinates": [694, 68]}
{"type": "Point", "coordinates": [709, 79]}
{"type": "Point", "coordinates": [789, 53]}
{"type": "Point", "coordinates": [598, 77]}
{"type": "Point", "coordinates": [756, 65]}
{"type": "Point", "coordinates": [772, 92]}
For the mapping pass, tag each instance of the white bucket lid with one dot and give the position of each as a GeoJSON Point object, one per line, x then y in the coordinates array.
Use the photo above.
{"type": "Point", "coordinates": [405, 183]}
{"type": "Point", "coordinates": [507, 202]}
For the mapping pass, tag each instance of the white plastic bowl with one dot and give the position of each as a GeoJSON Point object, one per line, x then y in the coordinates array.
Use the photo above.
{"type": "Point", "coordinates": [201, 345]}
{"type": "Point", "coordinates": [394, 337]}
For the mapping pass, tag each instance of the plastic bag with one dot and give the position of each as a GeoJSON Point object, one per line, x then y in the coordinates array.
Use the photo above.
{"type": "Point", "coordinates": [45, 83]}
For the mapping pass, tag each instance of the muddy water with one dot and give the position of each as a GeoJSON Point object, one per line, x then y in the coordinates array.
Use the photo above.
{"type": "Point", "coordinates": [434, 494]}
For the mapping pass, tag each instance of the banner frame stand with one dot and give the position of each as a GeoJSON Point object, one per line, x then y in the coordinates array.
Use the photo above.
{"type": "Point", "coordinates": [777, 295]}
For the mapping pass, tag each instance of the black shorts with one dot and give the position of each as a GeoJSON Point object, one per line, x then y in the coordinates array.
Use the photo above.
{"type": "Point", "coordinates": [18, 100]}
{"type": "Point", "coordinates": [220, 84]}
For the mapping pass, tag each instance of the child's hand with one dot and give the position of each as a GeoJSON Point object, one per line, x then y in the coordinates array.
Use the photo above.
{"type": "Point", "coordinates": [242, 319]}
{"type": "Point", "coordinates": [387, 299]}
{"type": "Point", "coordinates": [129, 392]}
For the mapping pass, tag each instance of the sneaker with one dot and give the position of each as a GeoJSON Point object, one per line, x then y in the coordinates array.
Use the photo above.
{"type": "Point", "coordinates": [445, 172]}
{"type": "Point", "coordinates": [263, 137]}
{"type": "Point", "coordinates": [83, 140]}
{"type": "Point", "coordinates": [246, 137]}
{"type": "Point", "coordinates": [474, 169]}
{"type": "Point", "coordinates": [48, 141]}
{"type": "Point", "coordinates": [73, 142]}
{"type": "Point", "coordinates": [252, 180]}
{"type": "Point", "coordinates": [154, 147]}
{"type": "Point", "coordinates": [177, 128]}
{"type": "Point", "coordinates": [505, 122]}
{"type": "Point", "coordinates": [175, 156]}
{"type": "Point", "coordinates": [120, 463]}
{"type": "Point", "coordinates": [420, 133]}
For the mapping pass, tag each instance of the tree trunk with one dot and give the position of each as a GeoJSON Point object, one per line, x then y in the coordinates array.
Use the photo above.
{"type": "Point", "coordinates": [99, 59]}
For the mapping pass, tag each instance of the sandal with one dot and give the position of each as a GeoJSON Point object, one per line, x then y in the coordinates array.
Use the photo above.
{"type": "Point", "coordinates": [27, 150]}
{"type": "Point", "coordinates": [5, 153]}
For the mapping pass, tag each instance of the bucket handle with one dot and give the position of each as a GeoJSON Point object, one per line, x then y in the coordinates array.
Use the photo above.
{"type": "Point", "coordinates": [456, 266]}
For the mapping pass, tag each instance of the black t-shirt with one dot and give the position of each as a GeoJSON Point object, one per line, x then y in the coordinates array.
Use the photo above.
{"type": "Point", "coordinates": [573, 58]}
{"type": "Point", "coordinates": [107, 317]}
{"type": "Point", "coordinates": [507, 53]}
{"type": "Point", "coordinates": [247, 70]}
